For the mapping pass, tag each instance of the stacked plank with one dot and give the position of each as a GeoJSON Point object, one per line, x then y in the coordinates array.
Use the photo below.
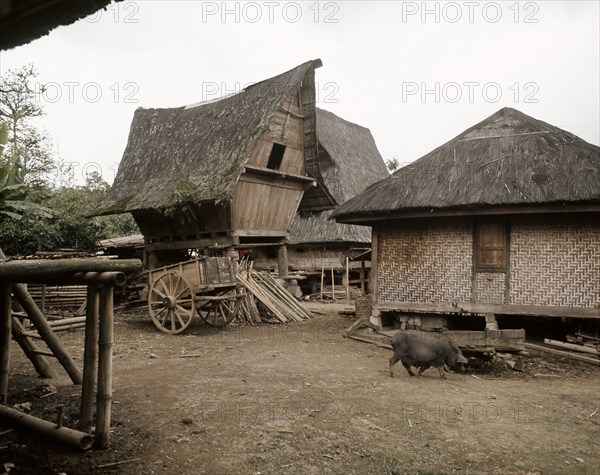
{"type": "Point", "coordinates": [58, 296]}
{"type": "Point", "coordinates": [279, 303]}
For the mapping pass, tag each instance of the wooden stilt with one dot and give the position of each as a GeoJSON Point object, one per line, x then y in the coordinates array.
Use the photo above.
{"type": "Point", "coordinates": [322, 277]}
{"type": "Point", "coordinates": [5, 331]}
{"type": "Point", "coordinates": [362, 277]}
{"type": "Point", "coordinates": [332, 285]}
{"type": "Point", "coordinates": [282, 261]}
{"type": "Point", "coordinates": [347, 280]}
{"type": "Point", "coordinates": [105, 349]}
{"type": "Point", "coordinates": [90, 356]}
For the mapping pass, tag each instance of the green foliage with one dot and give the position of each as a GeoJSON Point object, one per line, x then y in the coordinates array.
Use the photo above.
{"type": "Point", "coordinates": [392, 164]}
{"type": "Point", "coordinates": [34, 215]}
{"type": "Point", "coordinates": [70, 226]}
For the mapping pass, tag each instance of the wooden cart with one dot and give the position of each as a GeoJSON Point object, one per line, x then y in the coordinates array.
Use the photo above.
{"type": "Point", "coordinates": [206, 285]}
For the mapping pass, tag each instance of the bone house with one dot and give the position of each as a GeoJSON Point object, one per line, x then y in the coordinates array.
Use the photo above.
{"type": "Point", "coordinates": [504, 219]}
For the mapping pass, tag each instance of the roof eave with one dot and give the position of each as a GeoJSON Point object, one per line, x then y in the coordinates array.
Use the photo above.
{"type": "Point", "coordinates": [375, 217]}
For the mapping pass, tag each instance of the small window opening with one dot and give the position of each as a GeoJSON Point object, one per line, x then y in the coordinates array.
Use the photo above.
{"type": "Point", "coordinates": [276, 156]}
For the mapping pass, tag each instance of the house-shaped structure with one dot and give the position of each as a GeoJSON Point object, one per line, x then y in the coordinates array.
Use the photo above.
{"type": "Point", "coordinates": [504, 219]}
{"type": "Point", "coordinates": [224, 174]}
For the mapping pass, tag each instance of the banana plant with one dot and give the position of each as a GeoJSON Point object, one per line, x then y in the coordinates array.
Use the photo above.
{"type": "Point", "coordinates": [13, 190]}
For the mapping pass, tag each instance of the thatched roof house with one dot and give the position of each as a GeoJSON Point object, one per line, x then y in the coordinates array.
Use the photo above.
{"type": "Point", "coordinates": [225, 172]}
{"type": "Point", "coordinates": [508, 160]}
{"type": "Point", "coordinates": [349, 163]}
{"type": "Point", "coordinates": [503, 219]}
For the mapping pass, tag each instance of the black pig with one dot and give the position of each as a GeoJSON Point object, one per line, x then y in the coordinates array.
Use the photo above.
{"type": "Point", "coordinates": [425, 349]}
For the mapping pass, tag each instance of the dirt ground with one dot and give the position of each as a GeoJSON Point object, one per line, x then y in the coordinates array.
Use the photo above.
{"type": "Point", "coordinates": [301, 399]}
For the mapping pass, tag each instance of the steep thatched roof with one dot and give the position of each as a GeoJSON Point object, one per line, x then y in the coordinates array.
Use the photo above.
{"type": "Point", "coordinates": [509, 159]}
{"type": "Point", "coordinates": [24, 21]}
{"type": "Point", "coordinates": [193, 154]}
{"type": "Point", "coordinates": [349, 162]}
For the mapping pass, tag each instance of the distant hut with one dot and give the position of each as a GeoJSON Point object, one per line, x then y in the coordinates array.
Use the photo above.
{"type": "Point", "coordinates": [217, 176]}
{"type": "Point", "coordinates": [349, 162]}
{"type": "Point", "coordinates": [504, 219]}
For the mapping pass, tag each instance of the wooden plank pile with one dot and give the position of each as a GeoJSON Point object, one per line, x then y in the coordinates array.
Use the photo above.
{"type": "Point", "coordinates": [279, 304]}
{"type": "Point", "coordinates": [58, 297]}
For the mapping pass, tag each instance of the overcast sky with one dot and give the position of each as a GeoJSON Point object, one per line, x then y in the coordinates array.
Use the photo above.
{"type": "Point", "coordinates": [415, 73]}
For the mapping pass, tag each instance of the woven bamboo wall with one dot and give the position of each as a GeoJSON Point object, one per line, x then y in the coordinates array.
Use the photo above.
{"type": "Point", "coordinates": [489, 287]}
{"type": "Point", "coordinates": [555, 263]}
{"type": "Point", "coordinates": [425, 262]}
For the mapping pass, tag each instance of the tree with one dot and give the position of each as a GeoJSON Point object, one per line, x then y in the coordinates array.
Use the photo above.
{"type": "Point", "coordinates": [392, 164]}
{"type": "Point", "coordinates": [27, 146]}
{"type": "Point", "coordinates": [13, 190]}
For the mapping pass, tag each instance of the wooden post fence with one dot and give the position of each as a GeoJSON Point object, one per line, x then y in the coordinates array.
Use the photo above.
{"type": "Point", "coordinates": [101, 276]}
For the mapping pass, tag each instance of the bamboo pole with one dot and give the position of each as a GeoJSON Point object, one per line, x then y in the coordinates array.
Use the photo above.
{"type": "Point", "coordinates": [322, 277]}
{"type": "Point", "coordinates": [74, 438]}
{"type": "Point", "coordinates": [332, 285]}
{"type": "Point", "coordinates": [105, 348]}
{"type": "Point", "coordinates": [282, 293]}
{"type": "Point", "coordinates": [45, 331]}
{"type": "Point", "coordinates": [5, 331]}
{"type": "Point", "coordinates": [90, 354]}
{"type": "Point", "coordinates": [44, 271]}
{"type": "Point", "coordinates": [40, 363]}
{"type": "Point", "coordinates": [571, 346]}
{"type": "Point", "coordinates": [347, 280]}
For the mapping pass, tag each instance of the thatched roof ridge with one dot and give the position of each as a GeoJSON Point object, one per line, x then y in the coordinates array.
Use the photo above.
{"type": "Point", "coordinates": [190, 154]}
{"type": "Point", "coordinates": [509, 159]}
{"type": "Point", "coordinates": [349, 163]}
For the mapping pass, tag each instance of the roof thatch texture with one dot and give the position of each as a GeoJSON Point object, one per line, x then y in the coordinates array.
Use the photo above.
{"type": "Point", "coordinates": [192, 154]}
{"type": "Point", "coordinates": [24, 21]}
{"type": "Point", "coordinates": [508, 159]}
{"type": "Point", "coordinates": [349, 162]}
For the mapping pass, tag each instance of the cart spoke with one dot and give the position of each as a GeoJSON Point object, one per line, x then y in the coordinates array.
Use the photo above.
{"type": "Point", "coordinates": [181, 322]}
{"type": "Point", "coordinates": [164, 318]}
{"type": "Point", "coordinates": [156, 291]}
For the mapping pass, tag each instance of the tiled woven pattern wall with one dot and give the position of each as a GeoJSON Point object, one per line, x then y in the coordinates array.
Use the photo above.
{"type": "Point", "coordinates": [425, 262]}
{"type": "Point", "coordinates": [489, 287]}
{"type": "Point", "coordinates": [555, 263]}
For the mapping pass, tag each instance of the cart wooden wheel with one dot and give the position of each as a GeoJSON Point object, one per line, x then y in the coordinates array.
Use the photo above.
{"type": "Point", "coordinates": [171, 302]}
{"type": "Point", "coordinates": [219, 310]}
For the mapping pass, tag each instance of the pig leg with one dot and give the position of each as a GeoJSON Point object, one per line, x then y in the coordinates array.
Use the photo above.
{"type": "Point", "coordinates": [408, 368]}
{"type": "Point", "coordinates": [393, 360]}
{"type": "Point", "coordinates": [441, 370]}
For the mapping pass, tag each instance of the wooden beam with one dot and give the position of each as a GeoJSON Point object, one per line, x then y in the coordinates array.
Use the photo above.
{"type": "Point", "coordinates": [277, 174]}
{"type": "Point", "coordinates": [259, 233]}
{"type": "Point", "coordinates": [373, 280]}
{"type": "Point", "coordinates": [568, 354]}
{"type": "Point", "coordinates": [38, 270]}
{"type": "Point", "coordinates": [5, 332]}
{"type": "Point", "coordinates": [222, 241]}
{"type": "Point", "coordinates": [372, 219]}
{"type": "Point", "coordinates": [497, 309]}
{"type": "Point", "coordinates": [282, 261]}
